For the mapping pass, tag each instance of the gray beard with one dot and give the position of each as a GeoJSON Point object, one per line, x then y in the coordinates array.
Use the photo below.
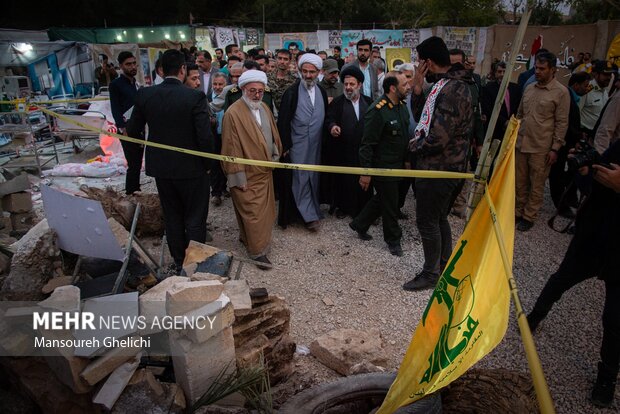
{"type": "Point", "coordinates": [255, 105]}
{"type": "Point", "coordinates": [353, 96]}
{"type": "Point", "coordinates": [309, 84]}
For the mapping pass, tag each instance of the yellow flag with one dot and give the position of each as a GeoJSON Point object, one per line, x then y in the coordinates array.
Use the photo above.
{"type": "Point", "coordinates": [467, 314]}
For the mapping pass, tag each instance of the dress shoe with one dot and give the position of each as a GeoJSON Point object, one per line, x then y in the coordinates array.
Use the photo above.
{"type": "Point", "coordinates": [421, 281]}
{"type": "Point", "coordinates": [395, 249]}
{"type": "Point", "coordinates": [524, 225]}
{"type": "Point", "coordinates": [263, 259]}
{"type": "Point", "coordinates": [313, 226]}
{"type": "Point", "coordinates": [361, 234]}
{"type": "Point", "coordinates": [217, 201]}
{"type": "Point", "coordinates": [402, 216]}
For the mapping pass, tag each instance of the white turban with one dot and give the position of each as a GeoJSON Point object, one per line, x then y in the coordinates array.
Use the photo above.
{"type": "Point", "coordinates": [312, 59]}
{"type": "Point", "coordinates": [252, 75]}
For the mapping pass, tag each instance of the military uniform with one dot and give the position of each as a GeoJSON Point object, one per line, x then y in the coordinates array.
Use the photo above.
{"type": "Point", "coordinates": [278, 86]}
{"type": "Point", "coordinates": [384, 145]}
{"type": "Point", "coordinates": [236, 93]}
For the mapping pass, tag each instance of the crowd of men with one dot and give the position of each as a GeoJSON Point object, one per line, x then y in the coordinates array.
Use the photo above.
{"type": "Point", "coordinates": [303, 107]}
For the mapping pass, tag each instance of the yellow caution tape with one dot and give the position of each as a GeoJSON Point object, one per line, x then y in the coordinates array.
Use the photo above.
{"type": "Point", "coordinates": [384, 172]}
{"type": "Point", "coordinates": [33, 103]}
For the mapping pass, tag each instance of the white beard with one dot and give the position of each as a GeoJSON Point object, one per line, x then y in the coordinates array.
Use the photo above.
{"type": "Point", "coordinates": [255, 105]}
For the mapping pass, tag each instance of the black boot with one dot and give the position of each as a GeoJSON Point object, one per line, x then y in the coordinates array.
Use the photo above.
{"type": "Point", "coordinates": [605, 387]}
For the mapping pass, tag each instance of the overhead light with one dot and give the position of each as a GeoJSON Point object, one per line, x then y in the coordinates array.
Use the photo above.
{"type": "Point", "coordinates": [182, 35]}
{"type": "Point", "coordinates": [167, 36]}
{"type": "Point", "coordinates": [119, 37]}
{"type": "Point", "coordinates": [152, 31]}
{"type": "Point", "coordinates": [139, 35]}
{"type": "Point", "coordinates": [23, 47]}
{"type": "Point", "coordinates": [124, 32]}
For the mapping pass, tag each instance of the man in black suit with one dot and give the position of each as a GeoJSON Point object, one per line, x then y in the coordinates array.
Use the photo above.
{"type": "Point", "coordinates": [177, 116]}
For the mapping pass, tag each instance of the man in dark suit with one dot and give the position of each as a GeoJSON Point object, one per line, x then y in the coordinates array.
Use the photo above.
{"type": "Point", "coordinates": [489, 93]}
{"type": "Point", "coordinates": [206, 70]}
{"type": "Point", "coordinates": [177, 116]}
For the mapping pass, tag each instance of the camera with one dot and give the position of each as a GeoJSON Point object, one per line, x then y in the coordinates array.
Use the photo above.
{"type": "Point", "coordinates": [585, 155]}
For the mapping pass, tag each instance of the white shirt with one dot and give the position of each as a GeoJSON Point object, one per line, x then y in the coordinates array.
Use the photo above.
{"type": "Point", "coordinates": [256, 114]}
{"type": "Point", "coordinates": [356, 108]}
{"type": "Point", "coordinates": [158, 80]}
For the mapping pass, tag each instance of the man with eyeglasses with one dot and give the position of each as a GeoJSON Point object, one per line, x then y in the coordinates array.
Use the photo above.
{"type": "Point", "coordinates": [249, 131]}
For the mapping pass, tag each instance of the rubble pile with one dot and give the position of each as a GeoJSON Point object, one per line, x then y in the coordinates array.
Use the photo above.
{"type": "Point", "coordinates": [246, 325]}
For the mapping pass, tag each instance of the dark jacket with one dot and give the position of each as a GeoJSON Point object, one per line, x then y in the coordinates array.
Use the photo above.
{"type": "Point", "coordinates": [487, 101]}
{"type": "Point", "coordinates": [288, 106]}
{"type": "Point", "coordinates": [446, 148]}
{"type": "Point", "coordinates": [386, 136]}
{"type": "Point", "coordinates": [344, 150]}
{"type": "Point", "coordinates": [122, 97]}
{"type": "Point", "coordinates": [176, 116]}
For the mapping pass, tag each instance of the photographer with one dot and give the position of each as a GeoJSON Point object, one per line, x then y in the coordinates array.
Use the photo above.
{"type": "Point", "coordinates": [106, 72]}
{"type": "Point", "coordinates": [593, 252]}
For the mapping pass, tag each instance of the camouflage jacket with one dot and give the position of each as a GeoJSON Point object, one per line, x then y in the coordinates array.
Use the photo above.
{"type": "Point", "coordinates": [278, 86]}
{"type": "Point", "coordinates": [446, 148]}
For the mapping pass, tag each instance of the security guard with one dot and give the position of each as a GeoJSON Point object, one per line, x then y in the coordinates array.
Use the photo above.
{"type": "Point", "coordinates": [384, 145]}
{"type": "Point", "coordinates": [235, 93]}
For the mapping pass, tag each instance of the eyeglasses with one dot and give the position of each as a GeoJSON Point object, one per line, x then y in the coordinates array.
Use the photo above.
{"type": "Point", "coordinates": [254, 91]}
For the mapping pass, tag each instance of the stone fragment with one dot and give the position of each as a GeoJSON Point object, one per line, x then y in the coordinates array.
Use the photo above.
{"type": "Point", "coordinates": [365, 367]}
{"type": "Point", "coordinates": [197, 365]}
{"type": "Point", "coordinates": [22, 222]}
{"type": "Point", "coordinates": [328, 302]}
{"type": "Point", "coordinates": [153, 302]}
{"type": "Point", "coordinates": [184, 297]}
{"type": "Point", "coordinates": [56, 282]}
{"type": "Point", "coordinates": [17, 184]}
{"type": "Point", "coordinates": [210, 320]}
{"type": "Point", "coordinates": [116, 383]}
{"type": "Point", "coordinates": [63, 298]}
{"type": "Point", "coordinates": [239, 293]}
{"type": "Point", "coordinates": [108, 362]}
{"type": "Point", "coordinates": [17, 202]}
{"type": "Point", "coordinates": [207, 276]}
{"type": "Point", "coordinates": [65, 365]}
{"type": "Point", "coordinates": [341, 349]}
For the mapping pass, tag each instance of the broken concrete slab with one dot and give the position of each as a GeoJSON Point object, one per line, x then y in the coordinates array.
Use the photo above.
{"type": "Point", "coordinates": [32, 264]}
{"type": "Point", "coordinates": [62, 361]}
{"type": "Point", "coordinates": [198, 276]}
{"type": "Point", "coordinates": [153, 302]}
{"type": "Point", "coordinates": [108, 362]}
{"type": "Point", "coordinates": [113, 309]}
{"type": "Point", "coordinates": [239, 293]}
{"type": "Point", "coordinates": [63, 298]}
{"type": "Point", "coordinates": [214, 317]}
{"type": "Point", "coordinates": [341, 349]}
{"type": "Point", "coordinates": [185, 297]}
{"type": "Point", "coordinates": [15, 185]}
{"type": "Point", "coordinates": [17, 202]}
{"type": "Point", "coordinates": [206, 259]}
{"type": "Point", "coordinates": [197, 365]}
{"type": "Point", "coordinates": [22, 222]}
{"type": "Point", "coordinates": [56, 282]}
{"type": "Point", "coordinates": [116, 383]}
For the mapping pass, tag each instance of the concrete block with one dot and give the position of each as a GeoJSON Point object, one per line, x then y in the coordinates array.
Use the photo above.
{"type": "Point", "coordinates": [116, 383]}
{"type": "Point", "coordinates": [197, 365]}
{"type": "Point", "coordinates": [215, 317]}
{"type": "Point", "coordinates": [64, 364]}
{"type": "Point", "coordinates": [239, 293]}
{"type": "Point", "coordinates": [17, 202]}
{"type": "Point", "coordinates": [187, 296]}
{"type": "Point", "coordinates": [108, 362]}
{"type": "Point", "coordinates": [153, 302]}
{"type": "Point", "coordinates": [63, 298]}
{"type": "Point", "coordinates": [22, 221]}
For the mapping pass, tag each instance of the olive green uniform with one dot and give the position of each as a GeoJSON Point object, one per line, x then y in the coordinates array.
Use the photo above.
{"type": "Point", "coordinates": [236, 93]}
{"type": "Point", "coordinates": [384, 145]}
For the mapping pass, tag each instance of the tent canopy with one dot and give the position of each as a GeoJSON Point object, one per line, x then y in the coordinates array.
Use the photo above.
{"type": "Point", "coordinates": [14, 53]}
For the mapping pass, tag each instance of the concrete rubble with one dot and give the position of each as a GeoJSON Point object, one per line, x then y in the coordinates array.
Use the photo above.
{"type": "Point", "coordinates": [344, 349]}
{"type": "Point", "coordinates": [239, 326]}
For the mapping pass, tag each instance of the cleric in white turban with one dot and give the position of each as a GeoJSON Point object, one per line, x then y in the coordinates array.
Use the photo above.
{"type": "Point", "coordinates": [249, 131]}
{"type": "Point", "coordinates": [311, 58]}
{"type": "Point", "coordinates": [252, 75]}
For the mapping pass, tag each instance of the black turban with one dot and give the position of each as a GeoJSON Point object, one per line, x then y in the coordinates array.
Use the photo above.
{"type": "Point", "coordinates": [351, 70]}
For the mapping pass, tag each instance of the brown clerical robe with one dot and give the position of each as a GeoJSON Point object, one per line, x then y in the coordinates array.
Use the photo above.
{"type": "Point", "coordinates": [255, 208]}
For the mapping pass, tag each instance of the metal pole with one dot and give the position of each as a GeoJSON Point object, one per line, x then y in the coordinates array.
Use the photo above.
{"type": "Point", "coordinates": [478, 189]}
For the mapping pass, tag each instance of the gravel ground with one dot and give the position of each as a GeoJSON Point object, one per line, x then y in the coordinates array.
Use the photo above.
{"type": "Point", "coordinates": [361, 284]}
